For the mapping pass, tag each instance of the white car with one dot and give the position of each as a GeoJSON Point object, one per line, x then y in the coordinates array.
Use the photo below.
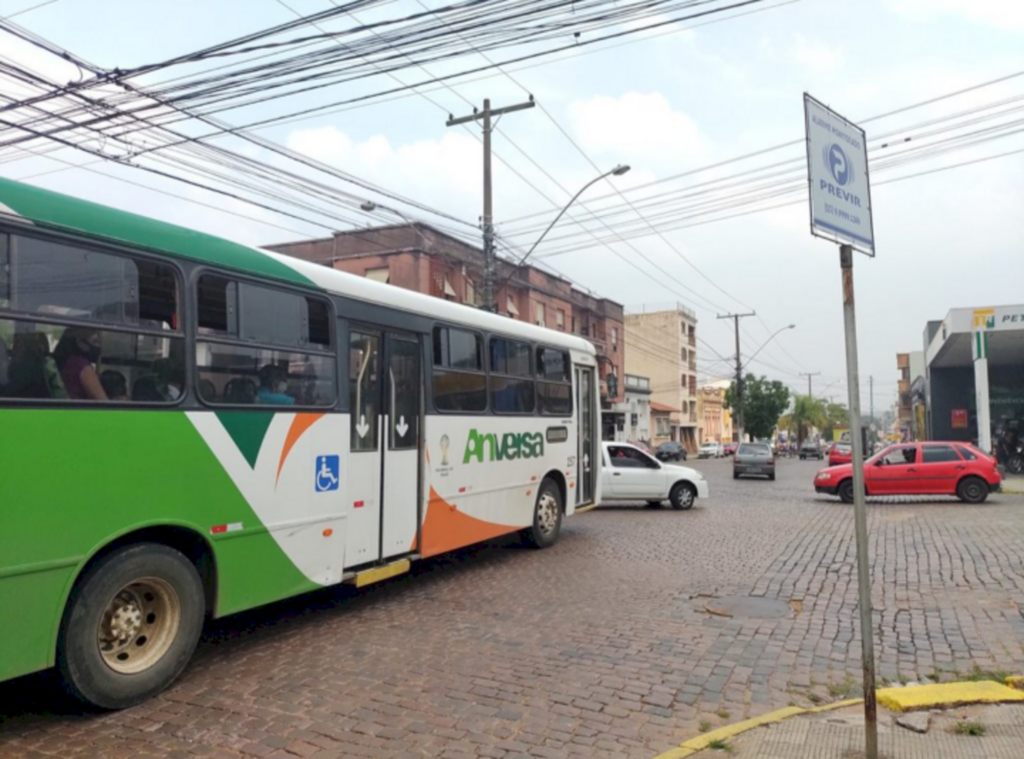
{"type": "Point", "coordinates": [710, 450]}
{"type": "Point", "coordinates": [629, 474]}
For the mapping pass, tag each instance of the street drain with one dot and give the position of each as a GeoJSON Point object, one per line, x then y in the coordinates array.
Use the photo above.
{"type": "Point", "coordinates": [754, 607]}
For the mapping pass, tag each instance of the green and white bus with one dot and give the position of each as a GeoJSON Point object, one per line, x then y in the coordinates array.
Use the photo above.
{"type": "Point", "coordinates": [190, 427]}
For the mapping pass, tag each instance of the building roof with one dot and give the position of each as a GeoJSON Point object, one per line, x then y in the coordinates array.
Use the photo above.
{"type": "Point", "coordinates": [952, 344]}
{"type": "Point", "coordinates": [655, 406]}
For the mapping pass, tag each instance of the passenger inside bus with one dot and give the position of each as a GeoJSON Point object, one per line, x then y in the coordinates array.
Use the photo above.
{"type": "Point", "coordinates": [76, 355]}
{"type": "Point", "coordinates": [273, 388]}
{"type": "Point", "coordinates": [32, 372]}
{"type": "Point", "coordinates": [114, 384]}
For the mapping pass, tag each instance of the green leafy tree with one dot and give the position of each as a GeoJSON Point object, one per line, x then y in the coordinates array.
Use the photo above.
{"type": "Point", "coordinates": [836, 415]}
{"type": "Point", "coordinates": [807, 412]}
{"type": "Point", "coordinates": [764, 400]}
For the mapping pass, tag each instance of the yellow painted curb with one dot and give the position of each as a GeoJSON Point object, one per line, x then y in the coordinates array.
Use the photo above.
{"type": "Point", "coordinates": [946, 694]}
{"type": "Point", "coordinates": [894, 699]}
{"type": "Point", "coordinates": [692, 746]}
{"type": "Point", "coordinates": [836, 705]}
{"type": "Point", "coordinates": [1011, 491]}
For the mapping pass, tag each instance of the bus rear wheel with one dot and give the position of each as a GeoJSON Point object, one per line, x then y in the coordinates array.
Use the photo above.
{"type": "Point", "coordinates": [131, 626]}
{"type": "Point", "coordinates": [547, 516]}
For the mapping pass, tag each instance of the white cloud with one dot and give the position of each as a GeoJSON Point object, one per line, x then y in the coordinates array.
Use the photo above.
{"type": "Point", "coordinates": [1002, 14]}
{"type": "Point", "coordinates": [816, 54]}
{"type": "Point", "coordinates": [636, 127]}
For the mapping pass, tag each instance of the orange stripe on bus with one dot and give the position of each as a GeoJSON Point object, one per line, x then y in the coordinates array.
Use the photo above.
{"type": "Point", "coordinates": [445, 528]}
{"type": "Point", "coordinates": [300, 424]}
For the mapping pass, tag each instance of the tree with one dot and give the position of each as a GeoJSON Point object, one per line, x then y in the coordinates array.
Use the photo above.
{"type": "Point", "coordinates": [807, 412]}
{"type": "Point", "coordinates": [764, 401]}
{"type": "Point", "coordinates": [836, 415]}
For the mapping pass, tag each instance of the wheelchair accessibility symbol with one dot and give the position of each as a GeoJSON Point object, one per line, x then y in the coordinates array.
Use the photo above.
{"type": "Point", "coordinates": [327, 468]}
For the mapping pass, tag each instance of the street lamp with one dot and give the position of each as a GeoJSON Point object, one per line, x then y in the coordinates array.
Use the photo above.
{"type": "Point", "coordinates": [618, 171]}
{"type": "Point", "coordinates": [776, 333]}
{"type": "Point", "coordinates": [369, 206]}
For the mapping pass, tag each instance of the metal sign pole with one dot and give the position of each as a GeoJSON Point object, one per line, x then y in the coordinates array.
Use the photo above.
{"type": "Point", "coordinates": [859, 512]}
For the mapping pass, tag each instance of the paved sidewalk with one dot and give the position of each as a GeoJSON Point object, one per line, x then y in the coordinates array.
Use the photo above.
{"type": "Point", "coordinates": [1013, 483]}
{"type": "Point", "coordinates": [839, 734]}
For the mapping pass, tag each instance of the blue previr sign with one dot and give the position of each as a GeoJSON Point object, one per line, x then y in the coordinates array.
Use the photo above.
{"type": "Point", "coordinates": [837, 169]}
{"type": "Point", "coordinates": [327, 476]}
{"type": "Point", "coordinates": [838, 164]}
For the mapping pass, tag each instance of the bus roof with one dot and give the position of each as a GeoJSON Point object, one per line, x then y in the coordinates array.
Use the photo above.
{"type": "Point", "coordinates": [24, 202]}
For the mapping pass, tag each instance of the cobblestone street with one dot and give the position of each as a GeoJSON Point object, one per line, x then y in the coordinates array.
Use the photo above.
{"type": "Point", "coordinates": [617, 642]}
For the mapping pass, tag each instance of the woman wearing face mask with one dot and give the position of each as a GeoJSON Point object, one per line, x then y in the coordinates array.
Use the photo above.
{"type": "Point", "coordinates": [76, 355]}
{"type": "Point", "coordinates": [274, 387]}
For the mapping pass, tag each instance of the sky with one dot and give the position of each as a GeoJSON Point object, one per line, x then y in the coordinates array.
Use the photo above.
{"type": "Point", "coordinates": [668, 104]}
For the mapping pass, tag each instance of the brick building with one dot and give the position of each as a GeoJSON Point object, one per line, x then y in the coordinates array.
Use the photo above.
{"type": "Point", "coordinates": [419, 257]}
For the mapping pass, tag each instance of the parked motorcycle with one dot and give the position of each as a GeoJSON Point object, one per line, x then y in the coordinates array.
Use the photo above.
{"type": "Point", "coordinates": [1010, 452]}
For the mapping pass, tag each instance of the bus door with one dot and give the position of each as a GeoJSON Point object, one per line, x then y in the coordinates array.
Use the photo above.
{"type": "Point", "coordinates": [385, 391]}
{"type": "Point", "coordinates": [586, 462]}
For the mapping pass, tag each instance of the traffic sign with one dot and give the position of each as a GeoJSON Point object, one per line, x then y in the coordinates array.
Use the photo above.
{"type": "Point", "coordinates": [837, 173]}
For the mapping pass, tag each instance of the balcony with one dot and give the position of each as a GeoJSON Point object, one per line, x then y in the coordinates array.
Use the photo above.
{"type": "Point", "coordinates": [692, 339]}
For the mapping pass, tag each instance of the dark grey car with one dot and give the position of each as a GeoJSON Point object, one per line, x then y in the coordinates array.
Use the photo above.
{"type": "Point", "coordinates": [753, 458]}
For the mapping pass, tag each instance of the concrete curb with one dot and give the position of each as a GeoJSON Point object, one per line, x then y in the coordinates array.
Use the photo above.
{"type": "Point", "coordinates": [896, 699]}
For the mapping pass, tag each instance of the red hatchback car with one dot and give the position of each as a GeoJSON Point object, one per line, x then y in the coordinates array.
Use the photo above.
{"type": "Point", "coordinates": [840, 453]}
{"type": "Point", "coordinates": [918, 469]}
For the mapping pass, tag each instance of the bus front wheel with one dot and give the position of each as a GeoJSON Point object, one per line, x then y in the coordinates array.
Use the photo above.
{"type": "Point", "coordinates": [547, 516]}
{"type": "Point", "coordinates": [131, 625]}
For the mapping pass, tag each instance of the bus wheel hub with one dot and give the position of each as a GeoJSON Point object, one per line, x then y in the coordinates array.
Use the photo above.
{"type": "Point", "coordinates": [126, 619]}
{"type": "Point", "coordinates": [139, 625]}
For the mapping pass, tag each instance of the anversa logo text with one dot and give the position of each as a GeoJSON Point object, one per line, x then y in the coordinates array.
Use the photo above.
{"type": "Point", "coordinates": [511, 445]}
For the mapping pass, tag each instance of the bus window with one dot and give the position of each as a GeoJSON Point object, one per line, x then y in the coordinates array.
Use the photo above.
{"type": "Point", "coordinates": [460, 383]}
{"type": "Point", "coordinates": [511, 381]}
{"type": "Point", "coordinates": [54, 278]}
{"type": "Point", "coordinates": [364, 358]}
{"type": "Point", "coordinates": [106, 329]}
{"type": "Point", "coordinates": [554, 389]}
{"type": "Point", "coordinates": [262, 346]}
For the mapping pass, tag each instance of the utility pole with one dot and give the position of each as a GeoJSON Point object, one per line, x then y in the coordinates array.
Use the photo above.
{"type": "Point", "coordinates": [871, 384]}
{"type": "Point", "coordinates": [739, 372]}
{"type": "Point", "coordinates": [490, 262]}
{"type": "Point", "coordinates": [808, 375]}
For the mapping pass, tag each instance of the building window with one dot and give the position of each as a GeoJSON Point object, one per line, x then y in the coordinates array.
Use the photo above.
{"type": "Point", "coordinates": [449, 291]}
{"type": "Point", "coordinates": [575, 326]}
{"type": "Point", "coordinates": [470, 293]}
{"type": "Point", "coordinates": [538, 313]}
{"type": "Point", "coordinates": [560, 319]}
{"type": "Point", "coordinates": [378, 275]}
{"type": "Point", "coordinates": [460, 383]}
{"type": "Point", "coordinates": [662, 427]}
{"type": "Point", "coordinates": [510, 306]}
{"type": "Point", "coordinates": [615, 336]}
